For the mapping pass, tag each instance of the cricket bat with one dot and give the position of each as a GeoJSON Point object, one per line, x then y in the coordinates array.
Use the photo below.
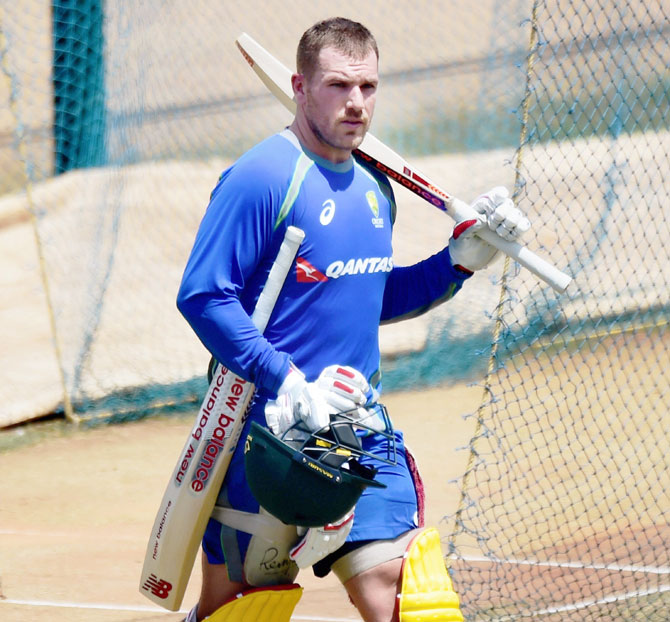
{"type": "Point", "coordinates": [192, 490]}
{"type": "Point", "coordinates": [277, 78]}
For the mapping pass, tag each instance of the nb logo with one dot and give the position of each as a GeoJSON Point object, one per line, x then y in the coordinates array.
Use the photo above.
{"type": "Point", "coordinates": [158, 587]}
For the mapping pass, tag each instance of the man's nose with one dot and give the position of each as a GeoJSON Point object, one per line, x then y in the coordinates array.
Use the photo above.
{"type": "Point", "coordinates": [355, 100]}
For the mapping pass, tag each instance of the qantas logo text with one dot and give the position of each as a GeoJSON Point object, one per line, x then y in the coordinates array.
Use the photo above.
{"type": "Point", "coordinates": [307, 273]}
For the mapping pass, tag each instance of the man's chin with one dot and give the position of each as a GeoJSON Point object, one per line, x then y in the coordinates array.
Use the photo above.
{"type": "Point", "coordinates": [356, 143]}
{"type": "Point", "coordinates": [350, 142]}
{"type": "Point", "coordinates": [353, 142]}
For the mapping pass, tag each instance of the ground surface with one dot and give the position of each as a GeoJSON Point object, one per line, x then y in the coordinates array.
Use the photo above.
{"type": "Point", "coordinates": [77, 508]}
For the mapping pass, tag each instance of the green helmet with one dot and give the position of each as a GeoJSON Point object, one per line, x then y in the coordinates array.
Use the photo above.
{"type": "Point", "coordinates": [307, 479]}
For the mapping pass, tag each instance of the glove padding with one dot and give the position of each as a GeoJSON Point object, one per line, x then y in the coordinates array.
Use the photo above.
{"type": "Point", "coordinates": [344, 388]}
{"type": "Point", "coordinates": [337, 389]}
{"type": "Point", "coordinates": [318, 542]}
{"type": "Point", "coordinates": [468, 252]}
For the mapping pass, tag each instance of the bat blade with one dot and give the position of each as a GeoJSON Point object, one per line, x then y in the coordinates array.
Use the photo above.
{"type": "Point", "coordinates": [277, 78]}
{"type": "Point", "coordinates": [194, 485]}
{"type": "Point", "coordinates": [275, 75]}
{"type": "Point", "coordinates": [192, 490]}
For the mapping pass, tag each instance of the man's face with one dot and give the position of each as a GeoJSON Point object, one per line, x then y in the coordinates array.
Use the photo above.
{"type": "Point", "coordinates": [338, 100]}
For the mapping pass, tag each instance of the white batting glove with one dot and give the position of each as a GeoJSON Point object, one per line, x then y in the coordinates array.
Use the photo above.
{"type": "Point", "coordinates": [345, 388]}
{"type": "Point", "coordinates": [497, 212]}
{"type": "Point", "coordinates": [337, 389]}
{"type": "Point", "coordinates": [297, 400]}
{"type": "Point", "coordinates": [317, 542]}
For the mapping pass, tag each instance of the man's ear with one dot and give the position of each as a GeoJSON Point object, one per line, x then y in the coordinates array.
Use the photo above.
{"type": "Point", "coordinates": [298, 84]}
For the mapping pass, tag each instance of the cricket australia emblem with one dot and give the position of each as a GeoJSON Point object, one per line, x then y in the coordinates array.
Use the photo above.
{"type": "Point", "coordinates": [374, 207]}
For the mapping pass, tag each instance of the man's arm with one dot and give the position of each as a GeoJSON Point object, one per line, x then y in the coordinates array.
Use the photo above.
{"type": "Point", "coordinates": [223, 277]}
{"type": "Point", "coordinates": [414, 290]}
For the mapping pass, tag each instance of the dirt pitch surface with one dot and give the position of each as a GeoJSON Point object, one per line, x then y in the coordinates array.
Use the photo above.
{"type": "Point", "coordinates": [77, 507]}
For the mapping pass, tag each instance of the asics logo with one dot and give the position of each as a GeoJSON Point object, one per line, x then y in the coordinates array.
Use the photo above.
{"type": "Point", "coordinates": [307, 273]}
{"type": "Point", "coordinates": [327, 212]}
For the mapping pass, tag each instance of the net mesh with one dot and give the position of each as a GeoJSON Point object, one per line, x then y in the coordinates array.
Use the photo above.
{"type": "Point", "coordinates": [564, 511]}
{"type": "Point", "coordinates": [117, 118]}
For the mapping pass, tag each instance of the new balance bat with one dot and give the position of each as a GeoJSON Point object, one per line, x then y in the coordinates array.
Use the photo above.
{"type": "Point", "coordinates": [277, 78]}
{"type": "Point", "coordinates": [191, 493]}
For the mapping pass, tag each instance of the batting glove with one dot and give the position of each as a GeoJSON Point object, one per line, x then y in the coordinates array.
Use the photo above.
{"type": "Point", "coordinates": [495, 210]}
{"type": "Point", "coordinates": [344, 388]}
{"type": "Point", "coordinates": [337, 389]}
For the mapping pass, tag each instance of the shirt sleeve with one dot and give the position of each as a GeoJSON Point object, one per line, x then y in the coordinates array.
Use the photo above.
{"type": "Point", "coordinates": [413, 290]}
{"type": "Point", "coordinates": [220, 282]}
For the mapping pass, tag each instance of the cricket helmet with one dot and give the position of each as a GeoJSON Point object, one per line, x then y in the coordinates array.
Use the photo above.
{"type": "Point", "coordinates": [308, 478]}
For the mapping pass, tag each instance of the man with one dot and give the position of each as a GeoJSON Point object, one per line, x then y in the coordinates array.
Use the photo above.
{"type": "Point", "coordinates": [320, 353]}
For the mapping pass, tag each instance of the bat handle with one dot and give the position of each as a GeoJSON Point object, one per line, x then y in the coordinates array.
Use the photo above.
{"type": "Point", "coordinates": [278, 273]}
{"type": "Point", "coordinates": [528, 259]}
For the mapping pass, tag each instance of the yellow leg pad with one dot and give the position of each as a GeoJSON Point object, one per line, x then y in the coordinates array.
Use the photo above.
{"type": "Point", "coordinates": [263, 604]}
{"type": "Point", "coordinates": [427, 593]}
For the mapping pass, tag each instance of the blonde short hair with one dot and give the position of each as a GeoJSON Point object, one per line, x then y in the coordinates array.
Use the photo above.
{"type": "Point", "coordinates": [345, 35]}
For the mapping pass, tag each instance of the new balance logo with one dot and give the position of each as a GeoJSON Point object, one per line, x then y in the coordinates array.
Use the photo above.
{"type": "Point", "coordinates": [158, 587]}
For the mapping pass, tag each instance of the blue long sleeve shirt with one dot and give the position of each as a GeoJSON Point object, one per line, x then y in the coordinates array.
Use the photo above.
{"type": "Point", "coordinates": [342, 285]}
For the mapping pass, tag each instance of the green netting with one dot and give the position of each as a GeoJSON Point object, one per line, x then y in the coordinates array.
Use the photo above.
{"type": "Point", "coordinates": [117, 118]}
{"type": "Point", "coordinates": [78, 84]}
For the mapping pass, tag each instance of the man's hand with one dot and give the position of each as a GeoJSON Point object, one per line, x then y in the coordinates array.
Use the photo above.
{"type": "Point", "coordinates": [337, 389]}
{"type": "Point", "coordinates": [496, 211]}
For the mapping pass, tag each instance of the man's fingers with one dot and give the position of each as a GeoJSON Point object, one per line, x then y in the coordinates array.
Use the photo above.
{"type": "Point", "coordinates": [508, 221]}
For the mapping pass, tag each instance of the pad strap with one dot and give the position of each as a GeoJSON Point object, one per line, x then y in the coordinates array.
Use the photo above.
{"type": "Point", "coordinates": [257, 524]}
{"type": "Point", "coordinates": [263, 604]}
{"type": "Point", "coordinates": [427, 591]}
